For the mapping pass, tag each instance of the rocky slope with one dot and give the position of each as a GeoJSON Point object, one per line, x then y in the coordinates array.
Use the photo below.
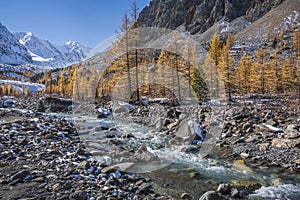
{"type": "Point", "coordinates": [11, 51]}
{"type": "Point", "coordinates": [199, 15]}
{"type": "Point", "coordinates": [25, 48]}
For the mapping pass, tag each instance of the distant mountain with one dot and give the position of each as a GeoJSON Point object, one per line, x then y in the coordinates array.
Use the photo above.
{"type": "Point", "coordinates": [44, 52]}
{"type": "Point", "coordinates": [11, 51]}
{"type": "Point", "coordinates": [25, 48]}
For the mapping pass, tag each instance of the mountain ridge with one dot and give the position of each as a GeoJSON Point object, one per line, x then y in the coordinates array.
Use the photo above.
{"type": "Point", "coordinates": [38, 51]}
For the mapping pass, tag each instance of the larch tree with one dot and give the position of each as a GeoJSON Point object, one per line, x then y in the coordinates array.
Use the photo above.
{"type": "Point", "coordinates": [275, 64]}
{"type": "Point", "coordinates": [215, 49]}
{"type": "Point", "coordinates": [226, 68]}
{"type": "Point", "coordinates": [123, 44]}
{"type": "Point", "coordinates": [259, 81]}
{"type": "Point", "coordinates": [215, 54]}
{"type": "Point", "coordinates": [243, 75]}
{"type": "Point", "coordinates": [134, 16]}
{"type": "Point", "coordinates": [173, 63]}
{"type": "Point", "coordinates": [61, 84]}
{"type": "Point", "coordinates": [187, 55]}
{"type": "Point", "coordinates": [289, 77]}
{"type": "Point", "coordinates": [161, 64]}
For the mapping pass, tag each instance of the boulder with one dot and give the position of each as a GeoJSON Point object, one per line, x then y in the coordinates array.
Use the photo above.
{"type": "Point", "coordinates": [285, 143]}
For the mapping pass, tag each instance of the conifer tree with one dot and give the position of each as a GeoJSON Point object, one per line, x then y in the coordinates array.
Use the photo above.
{"type": "Point", "coordinates": [226, 69]}
{"type": "Point", "coordinates": [187, 57]}
{"type": "Point", "coordinates": [289, 76]}
{"type": "Point", "coordinates": [243, 75]}
{"type": "Point", "coordinates": [215, 49]}
{"type": "Point", "coordinates": [61, 84]}
{"type": "Point", "coordinates": [134, 16]}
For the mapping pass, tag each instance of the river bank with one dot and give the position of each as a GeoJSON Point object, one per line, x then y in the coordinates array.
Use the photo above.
{"type": "Point", "coordinates": [258, 151]}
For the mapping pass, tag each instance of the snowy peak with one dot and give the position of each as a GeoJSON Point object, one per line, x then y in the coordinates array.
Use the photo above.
{"type": "Point", "coordinates": [46, 53]}
{"type": "Point", "coordinates": [73, 45]}
{"type": "Point", "coordinates": [26, 48]}
{"type": "Point", "coordinates": [37, 46]}
{"type": "Point", "coordinates": [11, 51]}
{"type": "Point", "coordinates": [25, 38]}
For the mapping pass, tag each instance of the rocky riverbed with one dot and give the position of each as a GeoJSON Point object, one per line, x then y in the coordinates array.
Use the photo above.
{"type": "Point", "coordinates": [44, 157]}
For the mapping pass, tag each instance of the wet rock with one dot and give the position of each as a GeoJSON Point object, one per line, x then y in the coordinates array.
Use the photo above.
{"type": "Point", "coordinates": [194, 174]}
{"type": "Point", "coordinates": [247, 184]}
{"type": "Point", "coordinates": [185, 196]}
{"type": "Point", "coordinates": [211, 195]}
{"type": "Point", "coordinates": [223, 188]}
{"type": "Point", "coordinates": [276, 182]}
{"type": "Point", "coordinates": [143, 154]}
{"type": "Point", "coordinates": [8, 103]}
{"type": "Point", "coordinates": [235, 193]}
{"type": "Point", "coordinates": [241, 166]}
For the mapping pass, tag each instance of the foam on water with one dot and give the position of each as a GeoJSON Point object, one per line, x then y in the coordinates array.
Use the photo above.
{"type": "Point", "coordinates": [282, 192]}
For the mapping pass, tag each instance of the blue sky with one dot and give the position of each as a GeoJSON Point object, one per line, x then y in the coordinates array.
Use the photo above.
{"type": "Point", "coordinates": [86, 21]}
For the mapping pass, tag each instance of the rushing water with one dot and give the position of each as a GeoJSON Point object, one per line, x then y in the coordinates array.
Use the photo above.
{"type": "Point", "coordinates": [173, 162]}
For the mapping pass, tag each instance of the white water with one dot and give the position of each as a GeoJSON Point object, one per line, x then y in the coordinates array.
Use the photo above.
{"type": "Point", "coordinates": [219, 170]}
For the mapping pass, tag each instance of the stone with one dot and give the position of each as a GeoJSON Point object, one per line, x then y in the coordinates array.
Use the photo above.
{"type": "Point", "coordinates": [223, 188]}
{"type": "Point", "coordinates": [263, 146]}
{"type": "Point", "coordinates": [56, 187]}
{"type": "Point", "coordinates": [211, 195]}
{"type": "Point", "coordinates": [20, 175]}
{"type": "Point", "coordinates": [194, 174]}
{"type": "Point", "coordinates": [185, 196]}
{"type": "Point", "coordinates": [83, 165]}
{"type": "Point", "coordinates": [235, 193]}
{"type": "Point", "coordinates": [244, 155]}
{"type": "Point", "coordinates": [276, 182]}
{"type": "Point", "coordinates": [143, 154]}
{"type": "Point", "coordinates": [285, 143]}
{"type": "Point", "coordinates": [247, 184]}
{"type": "Point", "coordinates": [79, 195]}
{"type": "Point", "coordinates": [297, 161]}
{"type": "Point", "coordinates": [241, 166]}
{"type": "Point", "coordinates": [292, 135]}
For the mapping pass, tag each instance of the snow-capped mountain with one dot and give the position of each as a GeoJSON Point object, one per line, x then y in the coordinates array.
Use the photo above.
{"type": "Point", "coordinates": [46, 53]}
{"type": "Point", "coordinates": [11, 51]}
{"type": "Point", "coordinates": [25, 48]}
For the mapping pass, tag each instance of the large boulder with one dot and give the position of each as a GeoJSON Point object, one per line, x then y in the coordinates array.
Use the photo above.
{"type": "Point", "coordinates": [53, 104]}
